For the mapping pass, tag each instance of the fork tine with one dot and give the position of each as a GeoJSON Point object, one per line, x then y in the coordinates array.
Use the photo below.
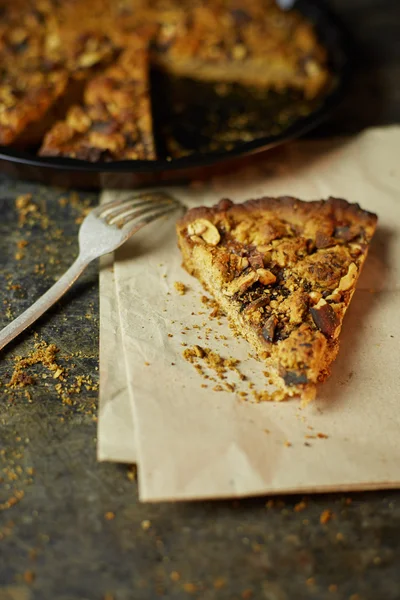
{"type": "Point", "coordinates": [134, 213]}
{"type": "Point", "coordinates": [146, 218]}
{"type": "Point", "coordinates": [127, 207]}
{"type": "Point", "coordinates": [158, 196]}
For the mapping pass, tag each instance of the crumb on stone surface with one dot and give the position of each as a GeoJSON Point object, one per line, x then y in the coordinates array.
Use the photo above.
{"type": "Point", "coordinates": [300, 506]}
{"type": "Point", "coordinates": [29, 576]}
{"type": "Point", "coordinates": [146, 524]}
{"type": "Point", "coordinates": [326, 516]}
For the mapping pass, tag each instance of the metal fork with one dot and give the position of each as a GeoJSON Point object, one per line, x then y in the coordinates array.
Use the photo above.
{"type": "Point", "coordinates": [103, 230]}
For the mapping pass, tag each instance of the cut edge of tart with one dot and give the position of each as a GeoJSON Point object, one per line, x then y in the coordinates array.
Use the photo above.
{"type": "Point", "coordinates": [114, 122]}
{"type": "Point", "coordinates": [284, 271]}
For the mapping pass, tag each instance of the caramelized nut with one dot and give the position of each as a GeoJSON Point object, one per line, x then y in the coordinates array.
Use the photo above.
{"type": "Point", "coordinates": [241, 283]}
{"type": "Point", "coordinates": [206, 230]}
{"type": "Point", "coordinates": [325, 318]}
{"type": "Point", "coordinates": [265, 276]}
{"type": "Point", "coordinates": [322, 240]}
{"type": "Point", "coordinates": [348, 280]}
{"type": "Point", "coordinates": [268, 331]}
{"type": "Point", "coordinates": [256, 261]}
{"type": "Point", "coordinates": [315, 297]}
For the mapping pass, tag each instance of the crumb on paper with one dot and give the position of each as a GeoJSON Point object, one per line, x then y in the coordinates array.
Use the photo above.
{"type": "Point", "coordinates": [325, 516]}
{"type": "Point", "coordinates": [322, 436]}
{"type": "Point", "coordinates": [146, 524]}
{"type": "Point", "coordinates": [180, 288]}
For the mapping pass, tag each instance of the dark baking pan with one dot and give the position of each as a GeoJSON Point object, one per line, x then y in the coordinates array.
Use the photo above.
{"type": "Point", "coordinates": [210, 131]}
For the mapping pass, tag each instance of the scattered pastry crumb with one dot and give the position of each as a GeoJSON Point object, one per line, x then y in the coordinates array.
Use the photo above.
{"type": "Point", "coordinates": [322, 436]}
{"type": "Point", "coordinates": [180, 288]}
{"type": "Point", "coordinates": [288, 444]}
{"type": "Point", "coordinates": [326, 516]}
{"type": "Point", "coordinates": [300, 506]}
{"type": "Point", "coordinates": [175, 576]}
{"type": "Point", "coordinates": [146, 524]}
{"type": "Point", "coordinates": [219, 583]}
{"type": "Point", "coordinates": [29, 576]}
{"type": "Point", "coordinates": [109, 516]}
{"type": "Point", "coordinates": [132, 473]}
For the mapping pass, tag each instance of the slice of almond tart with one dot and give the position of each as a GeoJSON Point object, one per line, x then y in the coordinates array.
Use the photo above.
{"type": "Point", "coordinates": [284, 272]}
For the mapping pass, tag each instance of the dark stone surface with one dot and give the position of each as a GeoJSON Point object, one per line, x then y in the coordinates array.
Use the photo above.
{"type": "Point", "coordinates": [56, 542]}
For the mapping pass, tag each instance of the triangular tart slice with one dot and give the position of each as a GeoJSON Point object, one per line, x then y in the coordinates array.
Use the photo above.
{"type": "Point", "coordinates": [284, 272]}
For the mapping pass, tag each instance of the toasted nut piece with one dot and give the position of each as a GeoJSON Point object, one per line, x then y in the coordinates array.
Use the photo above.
{"type": "Point", "coordinates": [197, 227]}
{"type": "Point", "coordinates": [241, 283]}
{"type": "Point", "coordinates": [322, 240]}
{"type": "Point", "coordinates": [243, 263]}
{"type": "Point", "coordinates": [269, 329]}
{"type": "Point", "coordinates": [315, 297]}
{"type": "Point", "coordinates": [325, 318]}
{"type": "Point", "coordinates": [336, 296]}
{"type": "Point", "coordinates": [197, 239]}
{"type": "Point", "coordinates": [348, 280]}
{"type": "Point", "coordinates": [206, 230]}
{"type": "Point", "coordinates": [265, 276]}
{"type": "Point", "coordinates": [239, 263]}
{"type": "Point", "coordinates": [256, 261]}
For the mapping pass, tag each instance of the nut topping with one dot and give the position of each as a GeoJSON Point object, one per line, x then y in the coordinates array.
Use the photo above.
{"type": "Point", "coordinates": [241, 283]}
{"type": "Point", "coordinates": [269, 329]}
{"type": "Point", "coordinates": [256, 261]}
{"type": "Point", "coordinates": [325, 318]}
{"type": "Point", "coordinates": [265, 277]}
{"type": "Point", "coordinates": [348, 280]}
{"type": "Point", "coordinates": [206, 230]}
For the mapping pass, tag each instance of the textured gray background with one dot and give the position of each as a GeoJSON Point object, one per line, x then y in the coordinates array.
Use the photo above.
{"type": "Point", "coordinates": [57, 544]}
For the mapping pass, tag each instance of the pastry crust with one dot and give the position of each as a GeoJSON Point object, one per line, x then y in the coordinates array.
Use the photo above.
{"type": "Point", "coordinates": [114, 122]}
{"type": "Point", "coordinates": [284, 272]}
{"type": "Point", "coordinates": [50, 49]}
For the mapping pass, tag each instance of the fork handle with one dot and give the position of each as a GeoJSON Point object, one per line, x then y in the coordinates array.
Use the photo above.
{"type": "Point", "coordinates": [44, 302]}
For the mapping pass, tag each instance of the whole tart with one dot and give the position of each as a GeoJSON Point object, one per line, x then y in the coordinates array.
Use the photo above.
{"type": "Point", "coordinates": [54, 54]}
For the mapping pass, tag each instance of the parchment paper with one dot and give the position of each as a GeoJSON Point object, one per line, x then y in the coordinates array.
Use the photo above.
{"type": "Point", "coordinates": [193, 442]}
{"type": "Point", "coordinates": [116, 430]}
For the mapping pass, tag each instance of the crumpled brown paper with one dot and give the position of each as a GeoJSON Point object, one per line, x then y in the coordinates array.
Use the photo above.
{"type": "Point", "coordinates": [194, 442]}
